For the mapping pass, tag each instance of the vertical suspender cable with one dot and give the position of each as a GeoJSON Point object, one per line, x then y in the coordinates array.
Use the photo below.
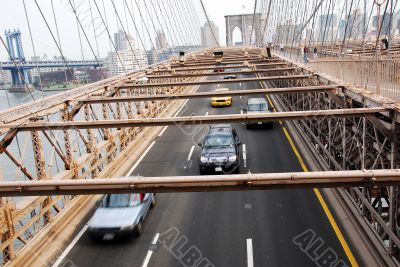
{"type": "Point", "coordinates": [208, 21]}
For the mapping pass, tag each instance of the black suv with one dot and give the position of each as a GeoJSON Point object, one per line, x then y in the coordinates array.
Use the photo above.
{"type": "Point", "coordinates": [220, 150]}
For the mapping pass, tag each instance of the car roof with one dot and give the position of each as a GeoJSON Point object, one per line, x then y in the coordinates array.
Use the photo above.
{"type": "Point", "coordinates": [220, 128]}
{"type": "Point", "coordinates": [258, 100]}
{"type": "Point", "coordinates": [221, 89]}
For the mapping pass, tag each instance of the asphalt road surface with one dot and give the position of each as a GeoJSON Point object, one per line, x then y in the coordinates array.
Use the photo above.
{"type": "Point", "coordinates": [266, 228]}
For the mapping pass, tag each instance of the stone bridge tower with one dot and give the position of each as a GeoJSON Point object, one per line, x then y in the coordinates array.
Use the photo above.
{"type": "Point", "coordinates": [244, 23]}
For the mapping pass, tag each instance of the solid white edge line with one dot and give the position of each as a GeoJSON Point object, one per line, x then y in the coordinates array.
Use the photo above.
{"type": "Point", "coordinates": [244, 156]}
{"type": "Point", "coordinates": [150, 252]}
{"type": "Point", "coordinates": [163, 130]}
{"type": "Point", "coordinates": [250, 262]}
{"type": "Point", "coordinates": [83, 230]}
{"type": "Point", "coordinates": [179, 110]}
{"type": "Point", "coordinates": [190, 153]}
{"type": "Point", "coordinates": [70, 246]}
{"type": "Point", "coordinates": [140, 159]}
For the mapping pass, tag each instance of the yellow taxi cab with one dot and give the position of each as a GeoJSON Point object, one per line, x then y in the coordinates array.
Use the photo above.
{"type": "Point", "coordinates": [221, 101]}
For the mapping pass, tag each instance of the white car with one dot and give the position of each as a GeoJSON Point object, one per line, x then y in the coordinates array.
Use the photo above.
{"type": "Point", "coordinates": [120, 214]}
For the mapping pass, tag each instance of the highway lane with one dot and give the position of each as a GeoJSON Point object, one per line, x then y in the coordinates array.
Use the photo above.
{"type": "Point", "coordinates": [218, 224]}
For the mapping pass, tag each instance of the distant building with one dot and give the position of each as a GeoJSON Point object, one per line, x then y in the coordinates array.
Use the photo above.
{"type": "Point", "coordinates": [355, 25]}
{"type": "Point", "coordinates": [207, 37]}
{"type": "Point", "coordinates": [161, 40]}
{"type": "Point", "coordinates": [5, 77]}
{"type": "Point", "coordinates": [168, 53]}
{"type": "Point", "coordinates": [127, 58]}
{"type": "Point", "coordinates": [288, 34]}
{"type": "Point", "coordinates": [326, 28]}
{"type": "Point", "coordinates": [123, 41]}
{"type": "Point", "coordinates": [125, 61]}
{"type": "Point", "coordinates": [152, 56]}
{"type": "Point", "coordinates": [58, 76]}
{"type": "Point", "coordinates": [385, 23]}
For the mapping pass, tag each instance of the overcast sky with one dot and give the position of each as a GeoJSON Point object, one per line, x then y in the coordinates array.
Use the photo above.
{"type": "Point", "coordinates": [12, 16]}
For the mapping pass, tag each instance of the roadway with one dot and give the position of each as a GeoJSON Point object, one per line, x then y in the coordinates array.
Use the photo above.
{"type": "Point", "coordinates": [227, 228]}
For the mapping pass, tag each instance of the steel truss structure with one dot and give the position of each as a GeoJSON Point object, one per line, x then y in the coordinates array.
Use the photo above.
{"type": "Point", "coordinates": [356, 143]}
{"type": "Point", "coordinates": [250, 181]}
{"type": "Point", "coordinates": [85, 133]}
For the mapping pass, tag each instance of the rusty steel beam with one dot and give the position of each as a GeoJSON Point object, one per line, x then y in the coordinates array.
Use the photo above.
{"type": "Point", "coordinates": [285, 90]}
{"type": "Point", "coordinates": [219, 74]}
{"type": "Point", "coordinates": [212, 62]}
{"type": "Point", "coordinates": [192, 120]}
{"type": "Point", "coordinates": [255, 79]}
{"type": "Point", "coordinates": [228, 182]}
{"type": "Point", "coordinates": [225, 67]}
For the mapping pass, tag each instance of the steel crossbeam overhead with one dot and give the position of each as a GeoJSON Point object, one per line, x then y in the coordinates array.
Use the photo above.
{"type": "Point", "coordinates": [225, 67]}
{"type": "Point", "coordinates": [224, 62]}
{"type": "Point", "coordinates": [257, 79]}
{"type": "Point", "coordinates": [219, 74]}
{"type": "Point", "coordinates": [116, 99]}
{"type": "Point", "coordinates": [202, 183]}
{"type": "Point", "coordinates": [192, 120]}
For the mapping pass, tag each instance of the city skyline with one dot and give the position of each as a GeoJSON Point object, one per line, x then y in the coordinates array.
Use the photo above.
{"type": "Point", "coordinates": [67, 26]}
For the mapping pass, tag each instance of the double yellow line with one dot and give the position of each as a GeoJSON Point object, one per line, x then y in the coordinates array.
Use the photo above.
{"type": "Point", "coordinates": [321, 200]}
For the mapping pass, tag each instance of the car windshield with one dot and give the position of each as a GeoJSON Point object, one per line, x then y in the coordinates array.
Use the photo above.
{"type": "Point", "coordinates": [121, 200]}
{"type": "Point", "coordinates": [258, 107]}
{"type": "Point", "coordinates": [218, 140]}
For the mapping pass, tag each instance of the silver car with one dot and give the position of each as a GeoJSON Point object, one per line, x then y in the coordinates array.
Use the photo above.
{"type": "Point", "coordinates": [120, 214]}
{"type": "Point", "coordinates": [258, 106]}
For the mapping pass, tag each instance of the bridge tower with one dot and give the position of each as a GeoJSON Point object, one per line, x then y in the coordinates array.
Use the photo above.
{"type": "Point", "coordinates": [244, 22]}
{"type": "Point", "coordinates": [16, 55]}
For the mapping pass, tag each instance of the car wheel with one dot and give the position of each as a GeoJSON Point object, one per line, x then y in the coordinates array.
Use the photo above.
{"type": "Point", "coordinates": [153, 202]}
{"type": "Point", "coordinates": [139, 228]}
{"type": "Point", "coordinates": [237, 170]}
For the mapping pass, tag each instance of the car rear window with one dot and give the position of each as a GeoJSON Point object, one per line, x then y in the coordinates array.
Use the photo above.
{"type": "Point", "coordinates": [258, 107]}
{"type": "Point", "coordinates": [121, 200]}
